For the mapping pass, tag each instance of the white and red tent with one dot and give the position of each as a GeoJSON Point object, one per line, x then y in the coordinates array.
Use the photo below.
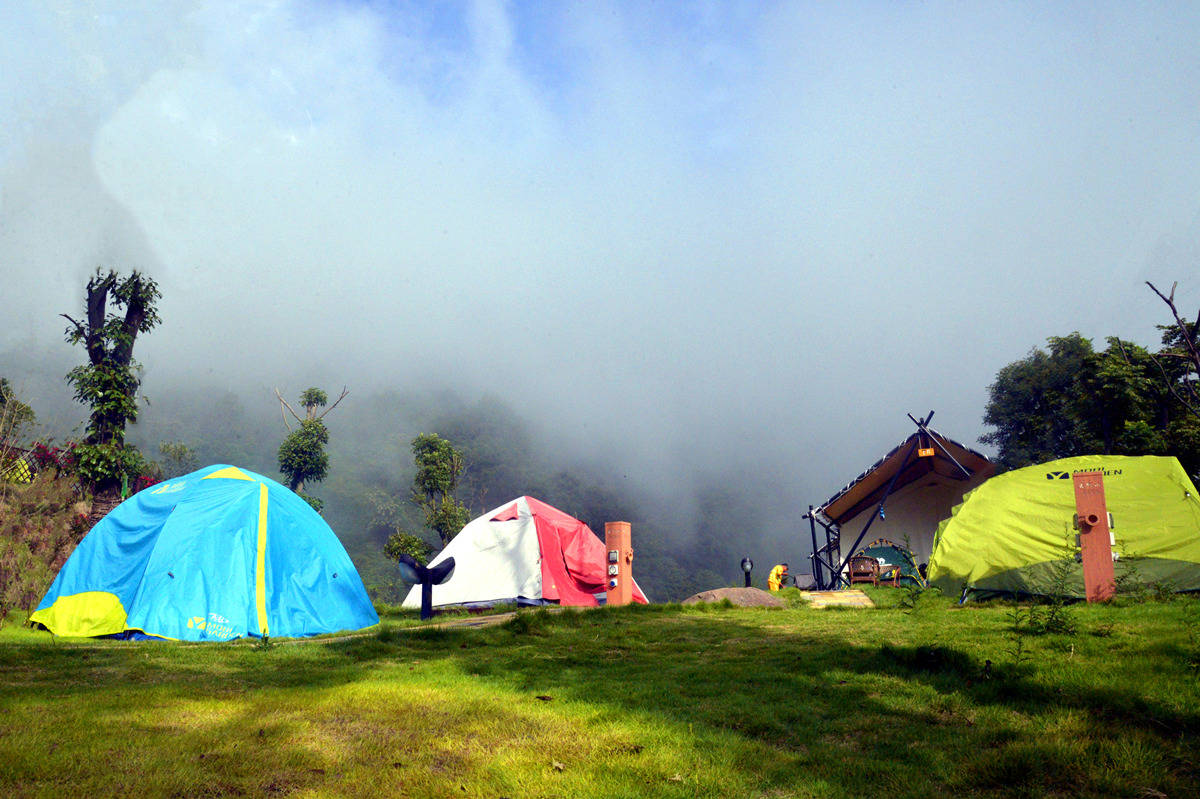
{"type": "Point", "coordinates": [524, 551]}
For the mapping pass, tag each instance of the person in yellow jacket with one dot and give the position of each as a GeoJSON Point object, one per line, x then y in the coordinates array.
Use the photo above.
{"type": "Point", "coordinates": [777, 577]}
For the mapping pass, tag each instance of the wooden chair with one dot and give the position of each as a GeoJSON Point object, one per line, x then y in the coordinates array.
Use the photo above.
{"type": "Point", "coordinates": [864, 569]}
{"type": "Point", "coordinates": [891, 575]}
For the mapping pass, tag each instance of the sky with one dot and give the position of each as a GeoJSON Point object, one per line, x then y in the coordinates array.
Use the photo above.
{"type": "Point", "coordinates": [693, 238]}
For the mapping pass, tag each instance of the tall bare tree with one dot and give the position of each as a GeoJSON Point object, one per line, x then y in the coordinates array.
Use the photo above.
{"type": "Point", "coordinates": [1179, 361]}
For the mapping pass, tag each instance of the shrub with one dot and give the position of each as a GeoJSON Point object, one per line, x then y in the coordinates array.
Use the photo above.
{"type": "Point", "coordinates": [40, 524]}
{"type": "Point", "coordinates": [60, 459]}
{"type": "Point", "coordinates": [402, 543]}
{"type": "Point", "coordinates": [916, 599]}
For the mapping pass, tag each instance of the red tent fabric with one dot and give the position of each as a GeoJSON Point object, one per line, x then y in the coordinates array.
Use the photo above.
{"type": "Point", "coordinates": [574, 560]}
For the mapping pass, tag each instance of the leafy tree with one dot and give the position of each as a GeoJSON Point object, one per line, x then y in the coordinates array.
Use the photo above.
{"type": "Point", "coordinates": [498, 446]}
{"type": "Point", "coordinates": [302, 455]}
{"type": "Point", "coordinates": [402, 543]}
{"type": "Point", "coordinates": [15, 416]}
{"type": "Point", "coordinates": [1073, 400]}
{"type": "Point", "coordinates": [311, 399]}
{"type": "Point", "coordinates": [108, 383]}
{"type": "Point", "coordinates": [1178, 364]}
{"type": "Point", "coordinates": [1033, 405]}
{"type": "Point", "coordinates": [439, 466]}
{"type": "Point", "coordinates": [178, 458]}
{"type": "Point", "coordinates": [1119, 399]}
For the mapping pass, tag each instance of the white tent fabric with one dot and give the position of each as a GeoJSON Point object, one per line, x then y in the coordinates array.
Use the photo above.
{"type": "Point", "coordinates": [493, 561]}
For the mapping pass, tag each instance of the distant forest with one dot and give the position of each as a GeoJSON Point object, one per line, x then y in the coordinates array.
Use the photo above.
{"type": "Point", "coordinates": [370, 477]}
{"type": "Point", "coordinates": [681, 546]}
{"type": "Point", "coordinates": [1072, 399]}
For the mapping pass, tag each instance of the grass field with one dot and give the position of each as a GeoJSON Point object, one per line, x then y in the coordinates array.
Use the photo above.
{"type": "Point", "coordinates": [657, 701]}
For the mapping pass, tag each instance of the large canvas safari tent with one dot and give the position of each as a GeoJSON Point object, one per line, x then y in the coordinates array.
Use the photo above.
{"type": "Point", "coordinates": [902, 497]}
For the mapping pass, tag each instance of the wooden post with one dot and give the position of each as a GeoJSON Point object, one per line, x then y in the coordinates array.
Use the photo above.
{"type": "Point", "coordinates": [1095, 543]}
{"type": "Point", "coordinates": [618, 563]}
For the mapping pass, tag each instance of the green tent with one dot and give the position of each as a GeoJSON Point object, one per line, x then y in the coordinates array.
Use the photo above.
{"type": "Point", "coordinates": [893, 556]}
{"type": "Point", "coordinates": [1011, 534]}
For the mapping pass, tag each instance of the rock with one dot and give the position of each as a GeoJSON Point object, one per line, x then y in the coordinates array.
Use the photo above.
{"type": "Point", "coordinates": [742, 597]}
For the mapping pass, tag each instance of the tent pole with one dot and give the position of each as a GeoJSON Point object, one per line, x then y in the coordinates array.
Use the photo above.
{"type": "Point", "coordinates": [882, 500]}
{"type": "Point", "coordinates": [830, 537]}
{"type": "Point", "coordinates": [816, 564]}
{"type": "Point", "coordinates": [828, 564]}
{"type": "Point", "coordinates": [827, 561]}
{"type": "Point", "coordinates": [921, 426]}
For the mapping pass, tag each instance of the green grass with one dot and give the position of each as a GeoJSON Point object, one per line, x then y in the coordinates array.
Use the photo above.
{"type": "Point", "coordinates": [643, 701]}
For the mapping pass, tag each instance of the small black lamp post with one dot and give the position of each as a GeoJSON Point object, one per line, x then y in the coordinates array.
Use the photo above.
{"type": "Point", "coordinates": [427, 578]}
{"type": "Point", "coordinates": [747, 567]}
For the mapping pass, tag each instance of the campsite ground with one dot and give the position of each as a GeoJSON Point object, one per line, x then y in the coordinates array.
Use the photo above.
{"type": "Point", "coordinates": [644, 701]}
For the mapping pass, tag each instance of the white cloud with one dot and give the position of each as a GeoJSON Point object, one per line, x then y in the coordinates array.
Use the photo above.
{"type": "Point", "coordinates": [672, 230]}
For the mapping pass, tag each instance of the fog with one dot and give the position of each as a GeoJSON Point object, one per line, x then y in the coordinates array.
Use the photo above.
{"type": "Point", "coordinates": [692, 242]}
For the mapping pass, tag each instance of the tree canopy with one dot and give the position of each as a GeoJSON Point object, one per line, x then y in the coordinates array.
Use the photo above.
{"type": "Point", "coordinates": [15, 416]}
{"type": "Point", "coordinates": [1073, 400]}
{"type": "Point", "coordinates": [177, 459]}
{"type": "Point", "coordinates": [302, 456]}
{"type": "Point", "coordinates": [109, 381]}
{"type": "Point", "coordinates": [439, 466]}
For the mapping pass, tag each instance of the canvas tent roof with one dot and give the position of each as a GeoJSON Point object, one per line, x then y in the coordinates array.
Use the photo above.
{"type": "Point", "coordinates": [1013, 532]}
{"type": "Point", "coordinates": [523, 551]}
{"type": "Point", "coordinates": [867, 489]}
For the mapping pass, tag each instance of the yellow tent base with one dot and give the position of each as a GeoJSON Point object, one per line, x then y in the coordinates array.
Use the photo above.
{"type": "Point", "coordinates": [88, 614]}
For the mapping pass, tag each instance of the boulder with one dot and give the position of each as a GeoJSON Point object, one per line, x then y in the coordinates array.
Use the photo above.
{"type": "Point", "coordinates": [742, 597]}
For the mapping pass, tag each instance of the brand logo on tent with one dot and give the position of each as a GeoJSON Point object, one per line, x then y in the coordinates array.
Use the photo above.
{"type": "Point", "coordinates": [216, 625]}
{"type": "Point", "coordinates": [169, 488]}
{"type": "Point", "coordinates": [1067, 475]}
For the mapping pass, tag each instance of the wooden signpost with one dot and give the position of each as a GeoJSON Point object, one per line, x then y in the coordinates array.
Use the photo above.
{"type": "Point", "coordinates": [619, 563]}
{"type": "Point", "coordinates": [1095, 537]}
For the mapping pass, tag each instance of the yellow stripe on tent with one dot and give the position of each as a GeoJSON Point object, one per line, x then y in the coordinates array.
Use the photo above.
{"type": "Point", "coordinates": [260, 564]}
{"type": "Point", "coordinates": [229, 473]}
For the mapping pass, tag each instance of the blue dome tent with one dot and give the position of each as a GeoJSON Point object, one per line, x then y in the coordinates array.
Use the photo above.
{"type": "Point", "coordinates": [217, 554]}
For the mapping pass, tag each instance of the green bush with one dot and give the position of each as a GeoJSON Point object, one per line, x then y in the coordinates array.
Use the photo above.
{"type": "Point", "coordinates": [40, 524]}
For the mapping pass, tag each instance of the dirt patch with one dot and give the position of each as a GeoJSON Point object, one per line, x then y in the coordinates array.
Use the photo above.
{"type": "Point", "coordinates": [742, 597]}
